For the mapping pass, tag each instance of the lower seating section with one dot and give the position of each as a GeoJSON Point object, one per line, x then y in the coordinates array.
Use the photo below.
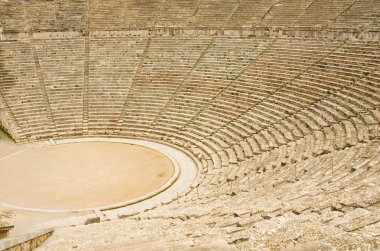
{"type": "Point", "coordinates": [330, 200]}
{"type": "Point", "coordinates": [21, 91]}
{"type": "Point", "coordinates": [165, 66]}
{"type": "Point", "coordinates": [62, 66]}
{"type": "Point", "coordinates": [112, 67]}
{"type": "Point", "coordinates": [285, 131]}
{"type": "Point", "coordinates": [219, 63]}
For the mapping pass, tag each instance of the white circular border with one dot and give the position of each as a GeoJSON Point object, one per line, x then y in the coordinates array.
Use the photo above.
{"type": "Point", "coordinates": [185, 173]}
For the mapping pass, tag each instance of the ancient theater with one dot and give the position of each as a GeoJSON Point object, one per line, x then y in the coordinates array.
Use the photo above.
{"type": "Point", "coordinates": [190, 125]}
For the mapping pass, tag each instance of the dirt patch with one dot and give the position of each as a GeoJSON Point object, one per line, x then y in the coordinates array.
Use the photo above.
{"type": "Point", "coordinates": [81, 175]}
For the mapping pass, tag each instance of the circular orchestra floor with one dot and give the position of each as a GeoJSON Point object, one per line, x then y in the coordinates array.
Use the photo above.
{"type": "Point", "coordinates": [75, 176]}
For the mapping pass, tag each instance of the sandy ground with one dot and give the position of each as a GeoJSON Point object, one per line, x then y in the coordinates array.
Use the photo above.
{"type": "Point", "coordinates": [81, 175]}
{"type": "Point", "coordinates": [74, 176]}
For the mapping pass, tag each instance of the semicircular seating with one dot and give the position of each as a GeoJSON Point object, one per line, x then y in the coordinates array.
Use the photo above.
{"type": "Point", "coordinates": [284, 128]}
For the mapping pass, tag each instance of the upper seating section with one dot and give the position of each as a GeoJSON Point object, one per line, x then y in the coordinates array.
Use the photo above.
{"type": "Point", "coordinates": [121, 14]}
{"type": "Point", "coordinates": [96, 15]}
{"type": "Point", "coordinates": [361, 13]}
{"type": "Point", "coordinates": [34, 16]}
{"type": "Point", "coordinates": [12, 16]}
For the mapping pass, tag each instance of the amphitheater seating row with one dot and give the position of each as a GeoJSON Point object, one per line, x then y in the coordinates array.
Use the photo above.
{"type": "Point", "coordinates": [21, 90]}
{"type": "Point", "coordinates": [202, 102]}
{"type": "Point", "coordinates": [62, 66]}
{"type": "Point", "coordinates": [34, 16]}
{"type": "Point", "coordinates": [112, 66]}
{"type": "Point", "coordinates": [343, 176]}
{"type": "Point", "coordinates": [285, 131]}
{"type": "Point", "coordinates": [317, 96]}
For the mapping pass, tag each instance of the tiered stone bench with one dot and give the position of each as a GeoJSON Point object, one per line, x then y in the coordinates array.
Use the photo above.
{"type": "Point", "coordinates": [276, 102]}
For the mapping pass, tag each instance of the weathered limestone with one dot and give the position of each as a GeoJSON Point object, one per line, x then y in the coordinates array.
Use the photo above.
{"type": "Point", "coordinates": [26, 242]}
{"type": "Point", "coordinates": [6, 223]}
{"type": "Point", "coordinates": [277, 102]}
{"type": "Point", "coordinates": [124, 14]}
